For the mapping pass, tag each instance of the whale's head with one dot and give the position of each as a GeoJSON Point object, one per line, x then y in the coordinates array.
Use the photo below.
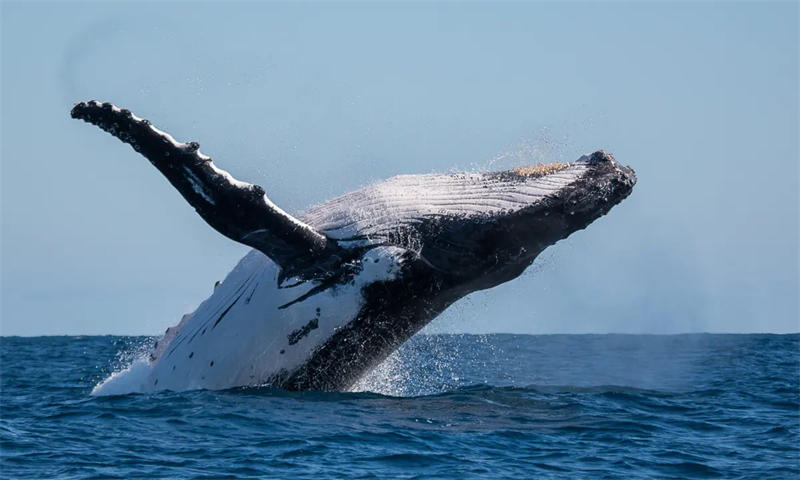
{"type": "Point", "coordinates": [477, 229]}
{"type": "Point", "coordinates": [499, 222]}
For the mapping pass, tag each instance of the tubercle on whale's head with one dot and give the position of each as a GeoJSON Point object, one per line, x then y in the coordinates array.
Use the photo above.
{"type": "Point", "coordinates": [577, 193]}
{"type": "Point", "coordinates": [603, 184]}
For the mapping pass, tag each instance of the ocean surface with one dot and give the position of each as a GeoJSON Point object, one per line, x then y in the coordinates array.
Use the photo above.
{"type": "Point", "coordinates": [444, 406]}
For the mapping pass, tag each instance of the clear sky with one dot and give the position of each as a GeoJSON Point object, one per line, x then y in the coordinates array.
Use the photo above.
{"type": "Point", "coordinates": [311, 101]}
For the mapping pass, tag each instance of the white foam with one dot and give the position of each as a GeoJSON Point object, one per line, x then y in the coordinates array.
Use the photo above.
{"type": "Point", "coordinates": [131, 379]}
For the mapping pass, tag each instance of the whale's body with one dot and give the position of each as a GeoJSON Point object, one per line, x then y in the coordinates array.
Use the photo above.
{"type": "Point", "coordinates": [325, 297]}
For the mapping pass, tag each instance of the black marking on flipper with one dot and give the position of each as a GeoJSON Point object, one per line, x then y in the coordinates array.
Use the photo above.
{"type": "Point", "coordinates": [301, 332]}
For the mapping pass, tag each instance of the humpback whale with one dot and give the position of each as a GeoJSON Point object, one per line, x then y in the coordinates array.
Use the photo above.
{"type": "Point", "coordinates": [325, 296]}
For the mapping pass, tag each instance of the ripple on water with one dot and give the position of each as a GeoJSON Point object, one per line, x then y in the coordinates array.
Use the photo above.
{"type": "Point", "coordinates": [445, 406]}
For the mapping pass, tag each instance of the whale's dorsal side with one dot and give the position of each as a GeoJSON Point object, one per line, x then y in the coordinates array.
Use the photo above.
{"type": "Point", "coordinates": [239, 210]}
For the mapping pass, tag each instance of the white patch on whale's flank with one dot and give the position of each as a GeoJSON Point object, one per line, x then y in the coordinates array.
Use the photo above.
{"type": "Point", "coordinates": [381, 264]}
{"type": "Point", "coordinates": [241, 336]}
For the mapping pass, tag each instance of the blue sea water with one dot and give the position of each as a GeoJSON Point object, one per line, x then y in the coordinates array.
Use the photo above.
{"type": "Point", "coordinates": [445, 406]}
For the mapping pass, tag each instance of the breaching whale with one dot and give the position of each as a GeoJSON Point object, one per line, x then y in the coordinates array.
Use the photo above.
{"type": "Point", "coordinates": [324, 297]}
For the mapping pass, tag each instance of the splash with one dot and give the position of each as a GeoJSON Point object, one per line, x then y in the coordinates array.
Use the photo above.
{"type": "Point", "coordinates": [427, 365]}
{"type": "Point", "coordinates": [131, 373]}
{"type": "Point", "coordinates": [131, 379]}
{"type": "Point", "coordinates": [389, 378]}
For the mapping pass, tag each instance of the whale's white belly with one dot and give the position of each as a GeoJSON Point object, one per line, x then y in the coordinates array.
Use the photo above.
{"type": "Point", "coordinates": [250, 330]}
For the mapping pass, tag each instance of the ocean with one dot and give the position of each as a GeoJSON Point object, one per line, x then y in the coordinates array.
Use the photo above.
{"type": "Point", "coordinates": [444, 406]}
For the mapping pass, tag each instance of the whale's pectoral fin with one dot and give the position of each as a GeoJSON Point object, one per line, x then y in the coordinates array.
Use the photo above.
{"type": "Point", "coordinates": [239, 210]}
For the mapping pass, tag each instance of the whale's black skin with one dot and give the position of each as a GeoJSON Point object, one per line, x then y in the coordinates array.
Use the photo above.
{"type": "Point", "coordinates": [447, 256]}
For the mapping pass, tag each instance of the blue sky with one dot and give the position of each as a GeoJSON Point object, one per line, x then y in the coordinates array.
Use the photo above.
{"type": "Point", "coordinates": [312, 100]}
